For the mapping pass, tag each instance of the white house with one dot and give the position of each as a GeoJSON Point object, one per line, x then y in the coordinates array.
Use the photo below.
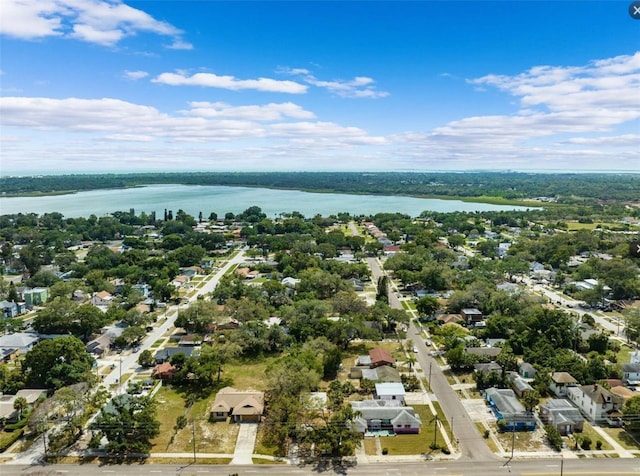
{"type": "Point", "coordinates": [390, 391]}
{"type": "Point", "coordinates": [560, 382]}
{"type": "Point", "coordinates": [102, 299]}
{"type": "Point", "coordinates": [597, 403]}
{"type": "Point", "coordinates": [631, 373]}
{"type": "Point", "coordinates": [379, 415]}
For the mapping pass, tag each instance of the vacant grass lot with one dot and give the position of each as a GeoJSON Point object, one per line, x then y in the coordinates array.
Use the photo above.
{"type": "Point", "coordinates": [589, 432]}
{"type": "Point", "coordinates": [219, 437]}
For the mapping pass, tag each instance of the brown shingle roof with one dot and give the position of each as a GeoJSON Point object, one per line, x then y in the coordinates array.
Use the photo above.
{"type": "Point", "coordinates": [380, 356]}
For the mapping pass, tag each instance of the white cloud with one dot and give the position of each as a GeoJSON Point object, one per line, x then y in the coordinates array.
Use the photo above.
{"type": "Point", "coordinates": [268, 112]}
{"type": "Point", "coordinates": [135, 75]}
{"type": "Point", "coordinates": [579, 117]}
{"type": "Point", "coordinates": [358, 87]}
{"type": "Point", "coordinates": [103, 22]}
{"type": "Point", "coordinates": [230, 82]}
{"type": "Point", "coordinates": [180, 45]}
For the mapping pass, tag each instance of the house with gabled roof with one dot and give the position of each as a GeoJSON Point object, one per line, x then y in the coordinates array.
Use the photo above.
{"type": "Point", "coordinates": [384, 373]}
{"type": "Point", "coordinates": [380, 356]}
{"type": "Point", "coordinates": [507, 408]}
{"type": "Point", "coordinates": [22, 342]}
{"type": "Point", "coordinates": [631, 373]}
{"type": "Point", "coordinates": [378, 415]}
{"type": "Point", "coordinates": [8, 413]}
{"type": "Point", "coordinates": [560, 382]}
{"type": "Point", "coordinates": [597, 403]}
{"type": "Point", "coordinates": [103, 299]}
{"type": "Point", "coordinates": [240, 406]}
{"type": "Point", "coordinates": [560, 413]}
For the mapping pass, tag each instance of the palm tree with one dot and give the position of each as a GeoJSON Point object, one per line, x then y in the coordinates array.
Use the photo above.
{"type": "Point", "coordinates": [20, 404]}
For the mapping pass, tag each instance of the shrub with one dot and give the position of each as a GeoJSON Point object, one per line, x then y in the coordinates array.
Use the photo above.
{"type": "Point", "coordinates": [385, 451]}
{"type": "Point", "coordinates": [586, 443]}
{"type": "Point", "coordinates": [598, 445]}
{"type": "Point", "coordinates": [10, 438]}
{"type": "Point", "coordinates": [486, 434]}
{"type": "Point", "coordinates": [553, 437]}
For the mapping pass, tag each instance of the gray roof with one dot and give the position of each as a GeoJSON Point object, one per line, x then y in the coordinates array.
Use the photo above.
{"type": "Point", "coordinates": [631, 368]}
{"type": "Point", "coordinates": [17, 340]}
{"type": "Point", "coordinates": [508, 405]}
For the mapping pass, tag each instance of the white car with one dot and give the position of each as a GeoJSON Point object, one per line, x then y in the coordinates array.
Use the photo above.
{"type": "Point", "coordinates": [415, 350]}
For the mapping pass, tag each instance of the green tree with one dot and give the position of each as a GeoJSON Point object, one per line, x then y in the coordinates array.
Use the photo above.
{"type": "Point", "coordinates": [54, 363]}
{"type": "Point", "coordinates": [530, 400]}
{"type": "Point", "coordinates": [128, 423]}
{"type": "Point", "coordinates": [631, 413]}
{"type": "Point", "coordinates": [20, 405]}
{"type": "Point", "coordinates": [145, 359]}
{"type": "Point", "coordinates": [427, 305]}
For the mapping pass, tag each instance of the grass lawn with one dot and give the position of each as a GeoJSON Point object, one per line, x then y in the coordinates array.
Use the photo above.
{"type": "Point", "coordinates": [219, 437]}
{"type": "Point", "coordinates": [248, 373]}
{"type": "Point", "coordinates": [589, 432]}
{"type": "Point", "coordinates": [629, 441]}
{"type": "Point", "coordinates": [370, 447]}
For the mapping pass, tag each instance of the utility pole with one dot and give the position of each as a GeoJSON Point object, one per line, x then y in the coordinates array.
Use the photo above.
{"type": "Point", "coordinates": [451, 430]}
{"type": "Point", "coordinates": [435, 432]}
{"type": "Point", "coordinates": [193, 434]}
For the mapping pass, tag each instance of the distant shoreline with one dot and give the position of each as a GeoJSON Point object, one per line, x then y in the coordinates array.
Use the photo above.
{"type": "Point", "coordinates": [480, 199]}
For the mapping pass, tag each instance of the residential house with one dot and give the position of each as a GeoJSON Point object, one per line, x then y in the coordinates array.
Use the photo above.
{"type": "Point", "coordinates": [143, 288]}
{"type": "Point", "coordinates": [9, 414]}
{"type": "Point", "coordinates": [484, 353]}
{"type": "Point", "coordinates": [103, 299]}
{"type": "Point", "coordinates": [623, 392]}
{"type": "Point", "coordinates": [240, 406]}
{"type": "Point", "coordinates": [35, 296]}
{"type": "Point", "coordinates": [560, 413]}
{"type": "Point", "coordinates": [191, 271]}
{"type": "Point", "coordinates": [631, 374]}
{"type": "Point", "coordinates": [390, 391]}
{"type": "Point", "coordinates": [380, 356]}
{"type": "Point", "coordinates": [180, 281]}
{"type": "Point", "coordinates": [289, 282]}
{"type": "Point", "coordinates": [597, 403]}
{"type": "Point", "coordinates": [472, 316]}
{"type": "Point", "coordinates": [377, 415]}
{"type": "Point", "coordinates": [526, 370]}
{"type": "Point", "coordinates": [164, 355]}
{"type": "Point", "coordinates": [10, 310]}
{"type": "Point", "coordinates": [8, 355]}
{"type": "Point", "coordinates": [487, 368]}
{"type": "Point", "coordinates": [519, 385]}
{"type": "Point", "coordinates": [508, 409]}
{"type": "Point", "coordinates": [164, 371]}
{"type": "Point", "coordinates": [449, 318]}
{"type": "Point", "coordinates": [100, 345]}
{"type": "Point", "coordinates": [560, 382]}
{"type": "Point", "coordinates": [21, 342]}
{"type": "Point", "coordinates": [384, 373]}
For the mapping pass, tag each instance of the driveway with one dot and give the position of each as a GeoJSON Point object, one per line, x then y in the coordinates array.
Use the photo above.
{"type": "Point", "coordinates": [245, 443]}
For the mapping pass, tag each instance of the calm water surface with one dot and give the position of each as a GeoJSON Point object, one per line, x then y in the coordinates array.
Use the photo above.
{"type": "Point", "coordinates": [194, 199]}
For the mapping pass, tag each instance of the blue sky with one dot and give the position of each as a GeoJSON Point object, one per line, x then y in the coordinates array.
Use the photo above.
{"type": "Point", "coordinates": [105, 85]}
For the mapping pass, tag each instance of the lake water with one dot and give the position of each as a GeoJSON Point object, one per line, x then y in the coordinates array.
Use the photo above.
{"type": "Point", "coordinates": [206, 199]}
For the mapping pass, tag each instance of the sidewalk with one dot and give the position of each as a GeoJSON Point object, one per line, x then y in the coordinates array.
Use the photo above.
{"type": "Point", "coordinates": [624, 453]}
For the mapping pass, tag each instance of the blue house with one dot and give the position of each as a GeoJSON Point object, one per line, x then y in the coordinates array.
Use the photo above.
{"type": "Point", "coordinates": [508, 409]}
